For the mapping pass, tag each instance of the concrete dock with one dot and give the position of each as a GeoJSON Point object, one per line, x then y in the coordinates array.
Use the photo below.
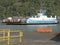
{"type": "Point", "coordinates": [34, 38]}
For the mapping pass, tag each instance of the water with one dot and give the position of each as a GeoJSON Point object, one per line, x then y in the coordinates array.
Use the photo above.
{"type": "Point", "coordinates": [55, 27]}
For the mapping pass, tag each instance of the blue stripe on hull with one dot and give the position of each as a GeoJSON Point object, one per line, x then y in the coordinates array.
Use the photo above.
{"type": "Point", "coordinates": [50, 21]}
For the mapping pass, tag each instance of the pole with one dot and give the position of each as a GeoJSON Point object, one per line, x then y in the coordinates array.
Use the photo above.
{"type": "Point", "coordinates": [8, 37]}
{"type": "Point", "coordinates": [21, 34]}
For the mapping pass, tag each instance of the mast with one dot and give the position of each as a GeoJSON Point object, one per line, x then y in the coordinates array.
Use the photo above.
{"type": "Point", "coordinates": [41, 7]}
{"type": "Point", "coordinates": [41, 4]}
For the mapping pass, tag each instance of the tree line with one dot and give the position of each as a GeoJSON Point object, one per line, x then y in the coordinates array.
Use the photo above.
{"type": "Point", "coordinates": [24, 8]}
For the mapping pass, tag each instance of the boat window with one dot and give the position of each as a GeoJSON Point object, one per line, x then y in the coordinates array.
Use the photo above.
{"type": "Point", "coordinates": [48, 16]}
{"type": "Point", "coordinates": [38, 16]}
{"type": "Point", "coordinates": [44, 14]}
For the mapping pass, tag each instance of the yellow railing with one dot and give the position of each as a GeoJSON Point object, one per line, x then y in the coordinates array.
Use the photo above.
{"type": "Point", "coordinates": [3, 33]}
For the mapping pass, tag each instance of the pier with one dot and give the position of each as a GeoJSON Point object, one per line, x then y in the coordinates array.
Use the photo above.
{"type": "Point", "coordinates": [17, 37]}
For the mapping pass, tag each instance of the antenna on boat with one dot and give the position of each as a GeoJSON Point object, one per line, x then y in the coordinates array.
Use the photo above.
{"type": "Point", "coordinates": [41, 4]}
{"type": "Point", "coordinates": [41, 7]}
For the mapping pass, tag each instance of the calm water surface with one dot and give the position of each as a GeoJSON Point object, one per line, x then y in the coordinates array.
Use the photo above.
{"type": "Point", "coordinates": [55, 27]}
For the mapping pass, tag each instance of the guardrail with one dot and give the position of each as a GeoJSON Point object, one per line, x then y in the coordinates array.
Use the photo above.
{"type": "Point", "coordinates": [7, 34]}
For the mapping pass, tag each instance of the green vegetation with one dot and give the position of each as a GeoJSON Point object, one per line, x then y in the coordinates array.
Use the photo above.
{"type": "Point", "coordinates": [28, 7]}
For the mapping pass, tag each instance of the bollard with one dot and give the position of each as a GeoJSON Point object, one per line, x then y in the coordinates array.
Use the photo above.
{"type": "Point", "coordinates": [21, 35]}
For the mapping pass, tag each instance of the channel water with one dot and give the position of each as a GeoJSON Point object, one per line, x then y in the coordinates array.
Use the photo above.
{"type": "Point", "coordinates": [32, 28]}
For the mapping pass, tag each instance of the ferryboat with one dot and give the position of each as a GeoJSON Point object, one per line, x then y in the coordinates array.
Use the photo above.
{"type": "Point", "coordinates": [42, 18]}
